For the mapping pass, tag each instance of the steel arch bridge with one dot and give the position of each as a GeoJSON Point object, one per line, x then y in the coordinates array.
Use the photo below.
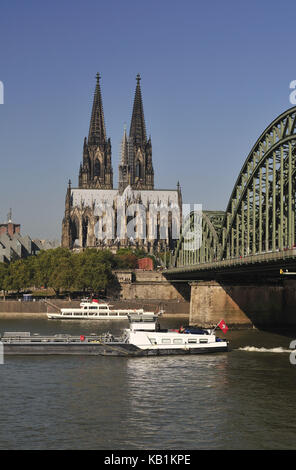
{"type": "Point", "coordinates": [197, 247]}
{"type": "Point", "coordinates": [260, 215]}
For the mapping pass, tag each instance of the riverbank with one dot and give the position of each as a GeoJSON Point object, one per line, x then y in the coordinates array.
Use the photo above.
{"type": "Point", "coordinates": [15, 315]}
{"type": "Point", "coordinates": [40, 308]}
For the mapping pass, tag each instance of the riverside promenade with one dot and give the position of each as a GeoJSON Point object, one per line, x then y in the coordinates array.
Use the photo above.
{"type": "Point", "coordinates": [39, 308]}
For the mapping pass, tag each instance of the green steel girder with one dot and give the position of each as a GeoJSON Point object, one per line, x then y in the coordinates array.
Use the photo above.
{"type": "Point", "coordinates": [260, 215]}
{"type": "Point", "coordinates": [272, 134]}
{"type": "Point", "coordinates": [253, 191]}
{"type": "Point", "coordinates": [209, 251]}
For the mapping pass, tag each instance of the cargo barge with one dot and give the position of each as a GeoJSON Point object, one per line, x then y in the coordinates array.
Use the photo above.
{"type": "Point", "coordinates": [144, 337]}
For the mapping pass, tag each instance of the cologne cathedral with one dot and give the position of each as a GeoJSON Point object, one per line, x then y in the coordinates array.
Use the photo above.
{"type": "Point", "coordinates": [135, 214]}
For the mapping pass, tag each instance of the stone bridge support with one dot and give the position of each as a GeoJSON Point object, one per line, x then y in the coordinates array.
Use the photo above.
{"type": "Point", "coordinates": [243, 303]}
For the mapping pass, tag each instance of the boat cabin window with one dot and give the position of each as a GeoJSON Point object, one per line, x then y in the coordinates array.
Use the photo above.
{"type": "Point", "coordinates": [203, 340]}
{"type": "Point", "coordinates": [178, 341]}
{"type": "Point", "coordinates": [144, 319]}
{"type": "Point", "coordinates": [192, 340]}
{"type": "Point", "coordinates": [166, 341]}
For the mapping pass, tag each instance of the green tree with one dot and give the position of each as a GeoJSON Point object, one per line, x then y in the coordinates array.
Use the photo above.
{"type": "Point", "coordinates": [21, 275]}
{"type": "Point", "coordinates": [46, 264]}
{"type": "Point", "coordinates": [125, 258]}
{"type": "Point", "coordinates": [62, 274]}
{"type": "Point", "coordinates": [93, 270]}
{"type": "Point", "coordinates": [4, 277]}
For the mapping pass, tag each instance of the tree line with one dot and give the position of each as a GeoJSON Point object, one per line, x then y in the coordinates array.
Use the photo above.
{"type": "Point", "coordinates": [65, 270]}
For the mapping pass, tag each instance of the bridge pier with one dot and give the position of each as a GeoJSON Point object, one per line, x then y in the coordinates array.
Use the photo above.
{"type": "Point", "coordinates": [242, 303]}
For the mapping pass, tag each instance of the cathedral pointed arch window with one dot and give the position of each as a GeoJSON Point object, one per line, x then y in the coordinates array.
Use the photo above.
{"type": "Point", "coordinates": [97, 169]}
{"type": "Point", "coordinates": [85, 222]}
{"type": "Point", "coordinates": [138, 169]}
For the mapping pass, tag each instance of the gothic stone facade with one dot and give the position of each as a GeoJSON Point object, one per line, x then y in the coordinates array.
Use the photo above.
{"type": "Point", "coordinates": [135, 214]}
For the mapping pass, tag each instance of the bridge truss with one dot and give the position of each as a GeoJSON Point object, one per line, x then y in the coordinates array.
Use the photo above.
{"type": "Point", "coordinates": [260, 215]}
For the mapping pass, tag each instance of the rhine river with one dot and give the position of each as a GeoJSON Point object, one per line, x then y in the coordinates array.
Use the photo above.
{"type": "Point", "coordinates": [244, 399]}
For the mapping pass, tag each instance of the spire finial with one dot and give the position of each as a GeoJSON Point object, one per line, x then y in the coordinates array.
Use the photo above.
{"type": "Point", "coordinates": [138, 78]}
{"type": "Point", "coordinates": [9, 216]}
{"type": "Point", "coordinates": [69, 183]}
{"type": "Point", "coordinates": [98, 77]}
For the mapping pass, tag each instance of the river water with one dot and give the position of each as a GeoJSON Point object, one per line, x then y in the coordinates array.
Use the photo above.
{"type": "Point", "coordinates": [244, 399]}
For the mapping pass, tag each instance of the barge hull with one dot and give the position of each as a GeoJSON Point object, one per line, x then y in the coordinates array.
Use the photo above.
{"type": "Point", "coordinates": [99, 349]}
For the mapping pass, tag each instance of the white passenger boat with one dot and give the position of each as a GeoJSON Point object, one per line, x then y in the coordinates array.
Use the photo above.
{"type": "Point", "coordinates": [95, 310]}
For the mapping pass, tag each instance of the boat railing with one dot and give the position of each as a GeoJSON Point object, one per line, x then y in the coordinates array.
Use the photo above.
{"type": "Point", "coordinates": [26, 337]}
{"type": "Point", "coordinates": [51, 304]}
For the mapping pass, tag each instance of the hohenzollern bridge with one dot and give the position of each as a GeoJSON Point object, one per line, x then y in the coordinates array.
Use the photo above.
{"type": "Point", "coordinates": [249, 244]}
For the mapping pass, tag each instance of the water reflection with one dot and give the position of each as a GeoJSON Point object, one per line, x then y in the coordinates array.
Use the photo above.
{"type": "Point", "coordinates": [169, 396]}
{"type": "Point", "coordinates": [240, 399]}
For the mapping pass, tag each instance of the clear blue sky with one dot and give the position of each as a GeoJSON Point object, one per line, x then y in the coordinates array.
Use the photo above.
{"type": "Point", "coordinates": [214, 75]}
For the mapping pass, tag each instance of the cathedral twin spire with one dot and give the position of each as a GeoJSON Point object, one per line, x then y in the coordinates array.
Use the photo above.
{"type": "Point", "coordinates": [96, 168]}
{"type": "Point", "coordinates": [135, 167]}
{"type": "Point", "coordinates": [97, 129]}
{"type": "Point", "coordinates": [138, 127]}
